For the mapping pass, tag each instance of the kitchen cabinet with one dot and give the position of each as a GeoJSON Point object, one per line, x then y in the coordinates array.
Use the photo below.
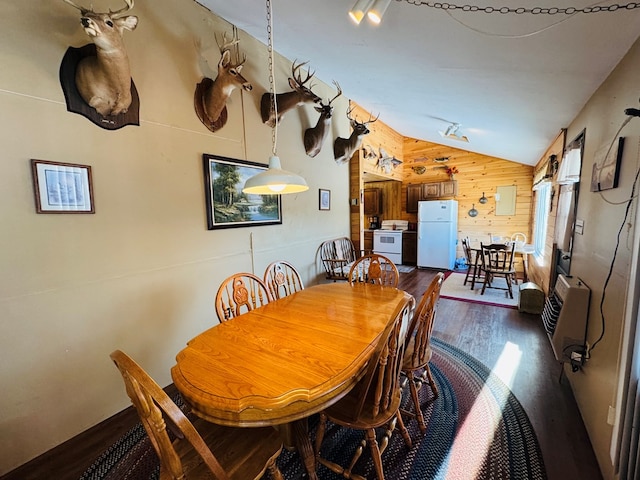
{"type": "Point", "coordinates": [409, 247]}
{"type": "Point", "coordinates": [449, 189]}
{"type": "Point", "coordinates": [429, 191]}
{"type": "Point", "coordinates": [372, 200]}
{"type": "Point", "coordinates": [414, 195]}
{"type": "Point", "coordinates": [368, 241]}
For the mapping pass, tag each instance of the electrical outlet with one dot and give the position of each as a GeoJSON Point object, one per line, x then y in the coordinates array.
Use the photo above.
{"type": "Point", "coordinates": [576, 356]}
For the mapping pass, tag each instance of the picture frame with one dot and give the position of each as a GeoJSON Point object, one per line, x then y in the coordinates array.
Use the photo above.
{"type": "Point", "coordinates": [324, 199]}
{"type": "Point", "coordinates": [227, 206]}
{"type": "Point", "coordinates": [605, 172]}
{"type": "Point", "coordinates": [62, 187]}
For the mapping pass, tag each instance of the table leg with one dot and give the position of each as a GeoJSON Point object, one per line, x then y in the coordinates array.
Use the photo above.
{"type": "Point", "coordinates": [305, 449]}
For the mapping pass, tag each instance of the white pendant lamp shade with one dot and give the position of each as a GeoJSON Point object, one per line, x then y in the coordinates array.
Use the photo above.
{"type": "Point", "coordinates": [376, 12]}
{"type": "Point", "coordinates": [275, 181]}
{"type": "Point", "coordinates": [359, 10]}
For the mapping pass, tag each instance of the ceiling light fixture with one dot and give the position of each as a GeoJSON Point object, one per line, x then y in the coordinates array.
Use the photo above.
{"type": "Point", "coordinates": [359, 10]}
{"type": "Point", "coordinates": [373, 9]}
{"type": "Point", "coordinates": [452, 133]}
{"type": "Point", "coordinates": [274, 180]}
{"type": "Point", "coordinates": [376, 12]}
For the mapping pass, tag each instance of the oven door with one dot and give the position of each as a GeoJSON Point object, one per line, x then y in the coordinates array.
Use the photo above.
{"type": "Point", "coordinates": [389, 244]}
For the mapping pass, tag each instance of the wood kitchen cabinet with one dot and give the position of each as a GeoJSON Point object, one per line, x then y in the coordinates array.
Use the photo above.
{"type": "Point", "coordinates": [449, 189]}
{"type": "Point", "coordinates": [368, 241]}
{"type": "Point", "coordinates": [429, 191]}
{"type": "Point", "coordinates": [409, 247]}
{"type": "Point", "coordinates": [372, 200]}
{"type": "Point", "coordinates": [414, 195]}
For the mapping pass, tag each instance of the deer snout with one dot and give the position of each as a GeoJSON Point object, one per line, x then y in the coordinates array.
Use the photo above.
{"type": "Point", "coordinates": [247, 86]}
{"type": "Point", "coordinates": [85, 22]}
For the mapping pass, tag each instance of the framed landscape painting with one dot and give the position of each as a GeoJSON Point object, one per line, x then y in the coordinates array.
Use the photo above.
{"type": "Point", "coordinates": [227, 206]}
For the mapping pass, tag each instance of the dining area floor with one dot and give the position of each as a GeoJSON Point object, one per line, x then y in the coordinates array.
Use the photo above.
{"type": "Point", "coordinates": [485, 332]}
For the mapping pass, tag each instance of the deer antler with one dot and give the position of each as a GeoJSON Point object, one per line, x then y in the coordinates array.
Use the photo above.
{"type": "Point", "coordinates": [123, 10]}
{"type": "Point", "coordinates": [349, 110]}
{"type": "Point", "coordinates": [371, 120]}
{"type": "Point", "coordinates": [339, 92]}
{"type": "Point", "coordinates": [296, 75]}
{"type": "Point", "coordinates": [82, 9]}
{"type": "Point", "coordinates": [226, 44]}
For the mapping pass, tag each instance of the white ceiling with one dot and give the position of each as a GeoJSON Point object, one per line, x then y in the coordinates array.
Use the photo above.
{"type": "Point", "coordinates": [421, 68]}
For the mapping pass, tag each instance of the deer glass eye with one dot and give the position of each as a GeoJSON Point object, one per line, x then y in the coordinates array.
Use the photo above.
{"type": "Point", "coordinates": [109, 23]}
{"type": "Point", "coordinates": [233, 71]}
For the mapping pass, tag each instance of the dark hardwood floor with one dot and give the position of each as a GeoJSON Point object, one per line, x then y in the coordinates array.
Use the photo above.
{"type": "Point", "coordinates": [483, 331]}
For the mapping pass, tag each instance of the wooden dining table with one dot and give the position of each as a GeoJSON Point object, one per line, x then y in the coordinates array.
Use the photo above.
{"type": "Point", "coordinates": [523, 250]}
{"type": "Point", "coordinates": [280, 363]}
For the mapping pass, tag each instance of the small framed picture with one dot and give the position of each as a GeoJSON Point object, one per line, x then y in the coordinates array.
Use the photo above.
{"type": "Point", "coordinates": [325, 199]}
{"type": "Point", "coordinates": [62, 187]}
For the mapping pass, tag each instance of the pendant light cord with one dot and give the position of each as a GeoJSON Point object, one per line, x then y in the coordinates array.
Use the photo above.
{"type": "Point", "coordinates": [272, 79]}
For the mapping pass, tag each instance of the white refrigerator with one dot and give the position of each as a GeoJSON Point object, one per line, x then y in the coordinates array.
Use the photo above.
{"type": "Point", "coordinates": [437, 233]}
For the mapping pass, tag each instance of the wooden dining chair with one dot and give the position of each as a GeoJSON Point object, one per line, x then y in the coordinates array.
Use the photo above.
{"type": "Point", "coordinates": [497, 261]}
{"type": "Point", "coordinates": [196, 449]}
{"type": "Point", "coordinates": [240, 293]}
{"type": "Point", "coordinates": [417, 354]}
{"type": "Point", "coordinates": [474, 263]}
{"type": "Point", "coordinates": [374, 268]}
{"type": "Point", "coordinates": [282, 279]}
{"type": "Point", "coordinates": [374, 401]}
{"type": "Point", "coordinates": [337, 256]}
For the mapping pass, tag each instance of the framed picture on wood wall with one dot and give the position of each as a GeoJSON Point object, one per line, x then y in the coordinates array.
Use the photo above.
{"type": "Point", "coordinates": [62, 187]}
{"type": "Point", "coordinates": [227, 206]}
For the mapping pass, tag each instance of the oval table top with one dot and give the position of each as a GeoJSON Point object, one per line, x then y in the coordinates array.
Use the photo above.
{"type": "Point", "coordinates": [288, 359]}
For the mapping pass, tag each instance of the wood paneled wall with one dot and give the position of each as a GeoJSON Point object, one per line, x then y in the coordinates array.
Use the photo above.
{"type": "Point", "coordinates": [380, 136]}
{"type": "Point", "coordinates": [478, 174]}
{"type": "Point", "coordinates": [540, 269]}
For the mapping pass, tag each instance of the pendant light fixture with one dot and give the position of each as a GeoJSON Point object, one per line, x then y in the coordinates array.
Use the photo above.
{"type": "Point", "coordinates": [274, 180]}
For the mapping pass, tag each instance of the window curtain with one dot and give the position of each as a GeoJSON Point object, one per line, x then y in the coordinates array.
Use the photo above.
{"type": "Point", "coordinates": [569, 171]}
{"type": "Point", "coordinates": [544, 173]}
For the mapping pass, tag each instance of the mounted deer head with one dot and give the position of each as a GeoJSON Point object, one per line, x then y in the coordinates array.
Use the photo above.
{"type": "Point", "coordinates": [211, 95]}
{"type": "Point", "coordinates": [104, 80]}
{"type": "Point", "coordinates": [287, 101]}
{"type": "Point", "coordinates": [314, 137]}
{"type": "Point", "coordinates": [344, 148]}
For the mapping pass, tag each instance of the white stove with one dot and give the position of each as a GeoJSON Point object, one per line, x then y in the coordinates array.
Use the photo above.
{"type": "Point", "coordinates": [387, 240]}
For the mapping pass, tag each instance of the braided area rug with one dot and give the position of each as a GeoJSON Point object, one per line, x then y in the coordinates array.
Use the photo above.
{"type": "Point", "coordinates": [476, 430]}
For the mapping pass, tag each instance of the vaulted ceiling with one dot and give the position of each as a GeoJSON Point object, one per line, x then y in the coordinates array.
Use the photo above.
{"type": "Point", "coordinates": [512, 81]}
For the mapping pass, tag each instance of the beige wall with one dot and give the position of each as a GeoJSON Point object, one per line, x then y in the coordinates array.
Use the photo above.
{"type": "Point", "coordinates": [140, 274]}
{"type": "Point", "coordinates": [595, 386]}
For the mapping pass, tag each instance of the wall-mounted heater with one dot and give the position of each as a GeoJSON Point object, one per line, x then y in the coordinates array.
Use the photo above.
{"type": "Point", "coordinates": [565, 317]}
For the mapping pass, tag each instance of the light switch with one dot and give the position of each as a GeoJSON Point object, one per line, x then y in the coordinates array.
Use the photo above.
{"type": "Point", "coordinates": [579, 226]}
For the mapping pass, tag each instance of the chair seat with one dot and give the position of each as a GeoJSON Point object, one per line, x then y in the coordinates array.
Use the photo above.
{"type": "Point", "coordinates": [342, 413]}
{"type": "Point", "coordinates": [408, 364]}
{"type": "Point", "coordinates": [241, 462]}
